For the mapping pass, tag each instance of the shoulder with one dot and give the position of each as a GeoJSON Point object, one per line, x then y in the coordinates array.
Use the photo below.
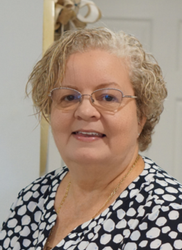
{"type": "Point", "coordinates": [41, 185]}
{"type": "Point", "coordinates": [160, 196]}
{"type": "Point", "coordinates": [161, 183]}
{"type": "Point", "coordinates": [33, 197]}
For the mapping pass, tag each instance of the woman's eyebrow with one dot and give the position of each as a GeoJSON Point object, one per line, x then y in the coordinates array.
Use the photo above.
{"type": "Point", "coordinates": [70, 86]}
{"type": "Point", "coordinates": [108, 85]}
{"type": "Point", "coordinates": [99, 86]}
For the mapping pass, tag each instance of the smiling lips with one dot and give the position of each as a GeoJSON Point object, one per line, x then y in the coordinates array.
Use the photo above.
{"type": "Point", "coordinates": [88, 134]}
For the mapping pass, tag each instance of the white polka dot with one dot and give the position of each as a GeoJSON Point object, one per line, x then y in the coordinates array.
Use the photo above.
{"type": "Point", "coordinates": [178, 244]}
{"type": "Point", "coordinates": [143, 226]}
{"type": "Point", "coordinates": [105, 212]}
{"type": "Point", "coordinates": [72, 235]}
{"type": "Point", "coordinates": [159, 191]}
{"type": "Point", "coordinates": [143, 243]}
{"type": "Point", "coordinates": [44, 188]}
{"type": "Point", "coordinates": [83, 245]}
{"type": "Point", "coordinates": [6, 243]}
{"type": "Point", "coordinates": [149, 178]}
{"type": "Point", "coordinates": [33, 226]}
{"type": "Point", "coordinates": [121, 224]}
{"type": "Point", "coordinates": [10, 233]}
{"type": "Point", "coordinates": [31, 206]}
{"type": "Point", "coordinates": [17, 229]}
{"type": "Point", "coordinates": [26, 243]}
{"type": "Point", "coordinates": [37, 216]}
{"type": "Point", "coordinates": [27, 196]}
{"type": "Point", "coordinates": [124, 194]}
{"type": "Point", "coordinates": [166, 229]}
{"type": "Point", "coordinates": [69, 243]}
{"type": "Point", "coordinates": [97, 228]}
{"type": "Point", "coordinates": [171, 190]}
{"type": "Point", "coordinates": [50, 205]}
{"type": "Point", "coordinates": [117, 204]}
{"type": "Point", "coordinates": [162, 183]}
{"type": "Point", "coordinates": [107, 248]}
{"type": "Point", "coordinates": [25, 220]}
{"type": "Point", "coordinates": [161, 221]}
{"type": "Point", "coordinates": [105, 238]}
{"type": "Point", "coordinates": [120, 213]}
{"type": "Point", "coordinates": [12, 223]}
{"type": "Point", "coordinates": [133, 223]}
{"type": "Point", "coordinates": [173, 215]}
{"type": "Point", "coordinates": [95, 237]}
{"type": "Point", "coordinates": [155, 244]}
{"type": "Point", "coordinates": [166, 246]}
{"type": "Point", "coordinates": [35, 187]}
{"type": "Point", "coordinates": [84, 225]}
{"type": "Point", "coordinates": [151, 186]}
{"type": "Point", "coordinates": [153, 216]}
{"type": "Point", "coordinates": [168, 197]}
{"type": "Point", "coordinates": [130, 246]}
{"type": "Point", "coordinates": [159, 174]}
{"type": "Point", "coordinates": [131, 212]}
{"type": "Point", "coordinates": [173, 235]}
{"type": "Point", "coordinates": [139, 198]}
{"type": "Point", "coordinates": [135, 235]}
{"type": "Point", "coordinates": [36, 194]}
{"type": "Point", "coordinates": [141, 212]}
{"type": "Point", "coordinates": [133, 193]}
{"type": "Point", "coordinates": [2, 234]}
{"type": "Point", "coordinates": [19, 203]}
{"type": "Point", "coordinates": [180, 227]}
{"type": "Point", "coordinates": [90, 236]}
{"type": "Point", "coordinates": [153, 233]}
{"type": "Point", "coordinates": [92, 246]}
{"type": "Point", "coordinates": [25, 232]}
{"type": "Point", "coordinates": [42, 225]}
{"type": "Point", "coordinates": [22, 210]}
{"type": "Point", "coordinates": [171, 181]}
{"type": "Point", "coordinates": [118, 238]}
{"type": "Point", "coordinates": [13, 241]}
{"type": "Point", "coordinates": [176, 206]}
{"type": "Point", "coordinates": [61, 243]}
{"type": "Point", "coordinates": [109, 225]}
{"type": "Point", "coordinates": [126, 233]}
{"type": "Point", "coordinates": [165, 208]}
{"type": "Point", "coordinates": [131, 186]}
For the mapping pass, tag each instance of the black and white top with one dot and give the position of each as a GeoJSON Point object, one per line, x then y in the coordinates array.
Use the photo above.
{"type": "Point", "coordinates": [147, 215]}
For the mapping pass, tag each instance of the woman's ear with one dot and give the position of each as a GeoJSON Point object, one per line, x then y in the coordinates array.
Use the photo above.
{"type": "Point", "coordinates": [141, 124]}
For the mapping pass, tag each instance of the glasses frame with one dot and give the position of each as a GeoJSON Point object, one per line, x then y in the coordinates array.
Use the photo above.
{"type": "Point", "coordinates": [92, 100]}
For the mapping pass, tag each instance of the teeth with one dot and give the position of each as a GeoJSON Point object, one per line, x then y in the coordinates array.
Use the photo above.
{"type": "Point", "coordinates": [88, 133]}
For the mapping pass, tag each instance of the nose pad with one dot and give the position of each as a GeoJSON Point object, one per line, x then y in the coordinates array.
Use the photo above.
{"type": "Point", "coordinates": [87, 110]}
{"type": "Point", "coordinates": [90, 97]}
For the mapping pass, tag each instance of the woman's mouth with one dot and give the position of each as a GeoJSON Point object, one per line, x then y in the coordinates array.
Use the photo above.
{"type": "Point", "coordinates": [89, 134]}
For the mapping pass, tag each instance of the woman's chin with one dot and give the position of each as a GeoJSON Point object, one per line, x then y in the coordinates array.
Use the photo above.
{"type": "Point", "coordinates": [85, 156]}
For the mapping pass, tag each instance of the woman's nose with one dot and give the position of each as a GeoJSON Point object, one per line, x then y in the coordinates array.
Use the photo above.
{"type": "Point", "coordinates": [86, 110]}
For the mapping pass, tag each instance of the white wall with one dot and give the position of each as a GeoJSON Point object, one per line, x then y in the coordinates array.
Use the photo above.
{"type": "Point", "coordinates": [20, 47]}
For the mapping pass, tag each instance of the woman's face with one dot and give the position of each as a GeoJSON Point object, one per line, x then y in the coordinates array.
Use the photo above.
{"type": "Point", "coordinates": [116, 134]}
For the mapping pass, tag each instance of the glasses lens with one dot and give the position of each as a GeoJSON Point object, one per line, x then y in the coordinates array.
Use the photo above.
{"type": "Point", "coordinates": [65, 98]}
{"type": "Point", "coordinates": [109, 99]}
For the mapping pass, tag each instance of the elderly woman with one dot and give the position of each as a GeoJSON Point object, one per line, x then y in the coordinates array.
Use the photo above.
{"type": "Point", "coordinates": [103, 95]}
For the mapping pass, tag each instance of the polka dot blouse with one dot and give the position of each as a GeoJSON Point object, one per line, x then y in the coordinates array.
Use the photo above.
{"type": "Point", "coordinates": [147, 215]}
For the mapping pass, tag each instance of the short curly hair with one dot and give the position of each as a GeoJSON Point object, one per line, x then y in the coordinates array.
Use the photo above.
{"type": "Point", "coordinates": [145, 74]}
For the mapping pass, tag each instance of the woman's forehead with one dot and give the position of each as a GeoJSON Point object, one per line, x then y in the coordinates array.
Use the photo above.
{"type": "Point", "coordinates": [96, 67]}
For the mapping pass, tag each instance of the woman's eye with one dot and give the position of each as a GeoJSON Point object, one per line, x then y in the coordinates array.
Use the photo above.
{"type": "Point", "coordinates": [69, 98]}
{"type": "Point", "coordinates": [109, 98]}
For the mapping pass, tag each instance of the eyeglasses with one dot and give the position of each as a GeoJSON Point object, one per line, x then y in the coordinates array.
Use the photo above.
{"type": "Point", "coordinates": [108, 99]}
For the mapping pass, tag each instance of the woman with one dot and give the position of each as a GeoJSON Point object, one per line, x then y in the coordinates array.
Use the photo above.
{"type": "Point", "coordinates": [103, 95]}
